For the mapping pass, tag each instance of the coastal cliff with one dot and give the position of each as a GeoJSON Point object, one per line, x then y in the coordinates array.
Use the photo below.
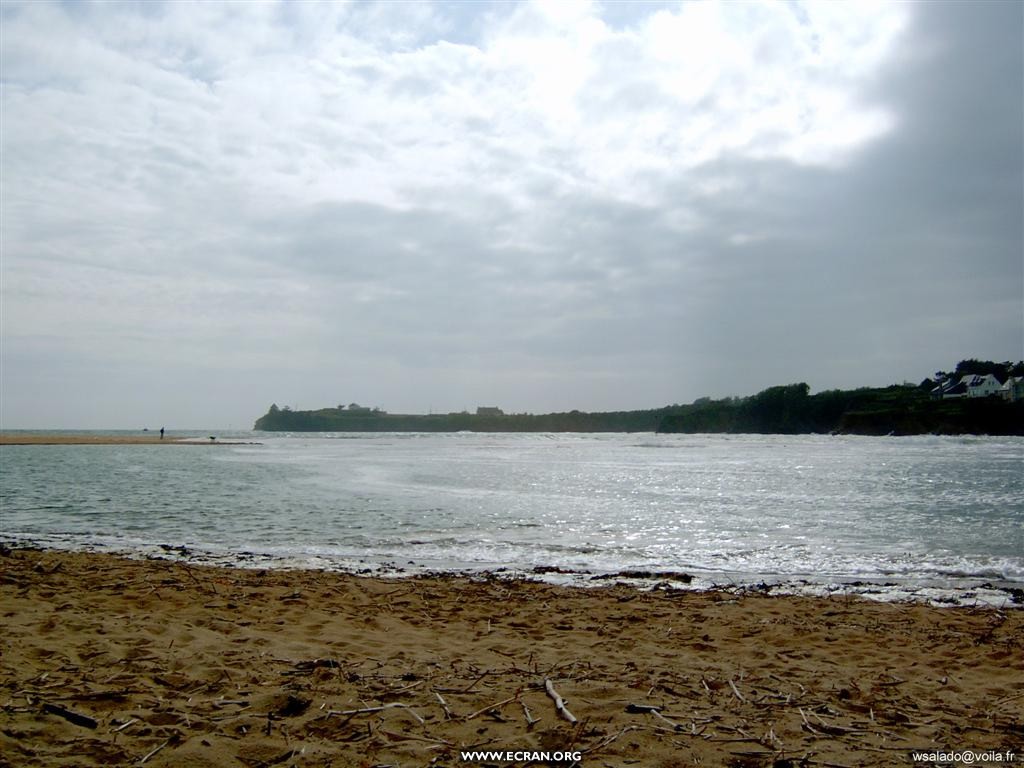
{"type": "Point", "coordinates": [341, 420]}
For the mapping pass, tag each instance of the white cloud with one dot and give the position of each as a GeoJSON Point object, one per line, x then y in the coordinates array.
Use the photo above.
{"type": "Point", "coordinates": [270, 99]}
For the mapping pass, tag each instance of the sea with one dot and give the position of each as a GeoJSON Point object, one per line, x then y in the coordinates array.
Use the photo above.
{"type": "Point", "coordinates": [932, 518]}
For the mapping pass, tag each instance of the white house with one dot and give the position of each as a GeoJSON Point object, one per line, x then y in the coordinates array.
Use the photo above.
{"type": "Point", "coordinates": [1013, 389]}
{"type": "Point", "coordinates": [981, 386]}
{"type": "Point", "coordinates": [969, 385]}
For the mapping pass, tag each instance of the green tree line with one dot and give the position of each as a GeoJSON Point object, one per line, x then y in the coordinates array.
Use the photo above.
{"type": "Point", "coordinates": [900, 409]}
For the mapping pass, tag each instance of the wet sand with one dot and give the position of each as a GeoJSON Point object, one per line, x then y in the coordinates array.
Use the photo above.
{"type": "Point", "coordinates": [109, 661]}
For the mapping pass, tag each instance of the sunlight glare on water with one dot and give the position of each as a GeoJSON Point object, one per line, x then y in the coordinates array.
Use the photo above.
{"type": "Point", "coordinates": [791, 506]}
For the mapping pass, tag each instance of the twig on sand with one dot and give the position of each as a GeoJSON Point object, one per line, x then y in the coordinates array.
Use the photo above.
{"type": "Point", "coordinates": [671, 723]}
{"type": "Point", "coordinates": [530, 719]}
{"type": "Point", "coordinates": [472, 685]}
{"type": "Point", "coordinates": [444, 705]}
{"type": "Point", "coordinates": [413, 737]}
{"type": "Point", "coordinates": [807, 724]}
{"type": "Point", "coordinates": [124, 725]}
{"type": "Point", "coordinates": [737, 692]}
{"type": "Point", "coordinates": [196, 580]}
{"type": "Point", "coordinates": [650, 709]}
{"type": "Point", "coordinates": [369, 710]}
{"type": "Point", "coordinates": [405, 688]}
{"type": "Point", "coordinates": [559, 704]}
{"type": "Point", "coordinates": [489, 707]}
{"type": "Point", "coordinates": [1005, 699]}
{"type": "Point", "coordinates": [609, 739]}
{"type": "Point", "coordinates": [153, 752]}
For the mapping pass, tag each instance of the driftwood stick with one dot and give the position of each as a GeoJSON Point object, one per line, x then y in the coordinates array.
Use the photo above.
{"type": "Point", "coordinates": [413, 737]}
{"type": "Point", "coordinates": [559, 704]}
{"type": "Point", "coordinates": [651, 709]}
{"type": "Point", "coordinates": [369, 710]}
{"type": "Point", "coordinates": [72, 717]}
{"type": "Point", "coordinates": [641, 708]}
{"type": "Point", "coordinates": [197, 581]}
{"type": "Point", "coordinates": [153, 752]}
{"type": "Point", "coordinates": [1005, 699]}
{"type": "Point", "coordinates": [124, 725]}
{"type": "Point", "coordinates": [807, 723]}
{"type": "Point", "coordinates": [675, 726]}
{"type": "Point", "coordinates": [405, 688]}
{"type": "Point", "coordinates": [489, 707]}
{"type": "Point", "coordinates": [609, 739]}
{"type": "Point", "coordinates": [472, 685]}
{"type": "Point", "coordinates": [530, 719]}
{"type": "Point", "coordinates": [444, 705]}
{"type": "Point", "coordinates": [737, 692]}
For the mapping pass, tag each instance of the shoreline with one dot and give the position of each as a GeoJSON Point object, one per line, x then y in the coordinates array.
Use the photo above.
{"type": "Point", "coordinates": [948, 591]}
{"type": "Point", "coordinates": [107, 660]}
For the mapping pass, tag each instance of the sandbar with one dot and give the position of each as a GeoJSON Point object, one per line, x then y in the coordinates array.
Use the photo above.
{"type": "Point", "coordinates": [43, 438]}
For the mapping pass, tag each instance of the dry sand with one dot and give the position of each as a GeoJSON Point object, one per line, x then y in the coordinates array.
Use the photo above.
{"type": "Point", "coordinates": [108, 661]}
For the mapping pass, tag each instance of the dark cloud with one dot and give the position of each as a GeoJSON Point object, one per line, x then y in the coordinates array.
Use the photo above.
{"type": "Point", "coordinates": [907, 258]}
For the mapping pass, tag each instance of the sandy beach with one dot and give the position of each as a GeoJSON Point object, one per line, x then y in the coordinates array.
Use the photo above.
{"type": "Point", "coordinates": [110, 661]}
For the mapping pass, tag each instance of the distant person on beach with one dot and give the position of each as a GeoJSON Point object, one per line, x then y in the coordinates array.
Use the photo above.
{"type": "Point", "coordinates": [161, 433]}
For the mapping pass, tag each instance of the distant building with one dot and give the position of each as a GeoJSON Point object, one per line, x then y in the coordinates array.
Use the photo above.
{"type": "Point", "coordinates": [950, 389]}
{"type": "Point", "coordinates": [489, 411]}
{"type": "Point", "coordinates": [970, 385]}
{"type": "Point", "coordinates": [982, 386]}
{"type": "Point", "coordinates": [1013, 389]}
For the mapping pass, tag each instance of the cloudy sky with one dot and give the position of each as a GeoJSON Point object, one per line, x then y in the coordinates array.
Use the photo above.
{"type": "Point", "coordinates": [207, 208]}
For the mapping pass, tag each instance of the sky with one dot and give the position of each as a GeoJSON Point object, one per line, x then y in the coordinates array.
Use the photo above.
{"type": "Point", "coordinates": [428, 207]}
